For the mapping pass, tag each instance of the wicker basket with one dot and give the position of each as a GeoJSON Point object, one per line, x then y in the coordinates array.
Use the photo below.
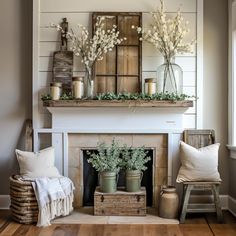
{"type": "Point", "coordinates": [24, 206]}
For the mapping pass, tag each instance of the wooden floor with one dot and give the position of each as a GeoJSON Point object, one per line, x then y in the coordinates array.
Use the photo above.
{"type": "Point", "coordinates": [199, 225]}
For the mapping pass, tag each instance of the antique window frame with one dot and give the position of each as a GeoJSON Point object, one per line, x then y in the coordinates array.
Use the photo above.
{"type": "Point", "coordinates": [139, 45]}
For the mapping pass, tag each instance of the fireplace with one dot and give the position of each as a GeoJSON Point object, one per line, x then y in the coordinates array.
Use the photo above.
{"type": "Point", "coordinates": [85, 177]}
{"type": "Point", "coordinates": [77, 127]}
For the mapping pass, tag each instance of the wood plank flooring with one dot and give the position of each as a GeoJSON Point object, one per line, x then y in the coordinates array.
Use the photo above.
{"type": "Point", "coordinates": [196, 225]}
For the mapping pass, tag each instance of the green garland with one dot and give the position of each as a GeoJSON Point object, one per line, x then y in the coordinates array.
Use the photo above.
{"type": "Point", "coordinates": [64, 96]}
{"type": "Point", "coordinates": [142, 96]}
{"type": "Point", "coordinates": [130, 96]}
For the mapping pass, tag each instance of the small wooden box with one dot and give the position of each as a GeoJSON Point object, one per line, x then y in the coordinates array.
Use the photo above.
{"type": "Point", "coordinates": [120, 203]}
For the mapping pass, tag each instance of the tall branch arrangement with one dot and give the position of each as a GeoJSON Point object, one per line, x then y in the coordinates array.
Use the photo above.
{"type": "Point", "coordinates": [92, 49]}
{"type": "Point", "coordinates": [167, 34]}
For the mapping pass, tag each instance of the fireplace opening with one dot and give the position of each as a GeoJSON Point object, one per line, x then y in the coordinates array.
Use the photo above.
{"type": "Point", "coordinates": [90, 180]}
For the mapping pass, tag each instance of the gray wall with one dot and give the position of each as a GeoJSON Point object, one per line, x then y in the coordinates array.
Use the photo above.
{"type": "Point", "coordinates": [215, 92]}
{"type": "Point", "coordinates": [15, 76]}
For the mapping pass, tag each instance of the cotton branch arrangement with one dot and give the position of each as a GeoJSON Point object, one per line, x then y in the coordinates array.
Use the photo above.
{"type": "Point", "coordinates": [167, 34]}
{"type": "Point", "coordinates": [92, 49]}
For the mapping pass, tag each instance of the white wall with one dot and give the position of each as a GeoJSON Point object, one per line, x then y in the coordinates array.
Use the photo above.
{"type": "Point", "coordinates": [15, 88]}
{"type": "Point", "coordinates": [15, 74]}
{"type": "Point", "coordinates": [55, 10]}
{"type": "Point", "coordinates": [215, 56]}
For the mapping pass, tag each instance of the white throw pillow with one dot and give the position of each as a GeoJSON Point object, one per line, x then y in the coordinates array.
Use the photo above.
{"type": "Point", "coordinates": [40, 164]}
{"type": "Point", "coordinates": [198, 164]}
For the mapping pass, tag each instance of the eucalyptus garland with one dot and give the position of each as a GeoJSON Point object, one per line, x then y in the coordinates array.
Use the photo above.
{"type": "Point", "coordinates": [64, 96]}
{"type": "Point", "coordinates": [142, 96]}
{"type": "Point", "coordinates": [130, 96]}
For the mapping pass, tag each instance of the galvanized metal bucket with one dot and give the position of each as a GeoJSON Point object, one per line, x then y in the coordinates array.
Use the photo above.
{"type": "Point", "coordinates": [108, 182]}
{"type": "Point", "coordinates": [133, 180]}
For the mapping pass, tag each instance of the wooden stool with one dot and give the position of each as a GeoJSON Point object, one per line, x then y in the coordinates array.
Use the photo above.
{"type": "Point", "coordinates": [201, 207]}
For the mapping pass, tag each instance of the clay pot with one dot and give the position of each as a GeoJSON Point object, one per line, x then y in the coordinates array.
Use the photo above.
{"type": "Point", "coordinates": [169, 202]}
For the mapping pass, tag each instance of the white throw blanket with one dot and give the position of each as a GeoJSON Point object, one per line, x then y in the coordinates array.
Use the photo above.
{"type": "Point", "coordinates": [54, 196]}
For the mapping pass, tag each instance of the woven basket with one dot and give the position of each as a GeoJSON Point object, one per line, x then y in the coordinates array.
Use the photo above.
{"type": "Point", "coordinates": [24, 206]}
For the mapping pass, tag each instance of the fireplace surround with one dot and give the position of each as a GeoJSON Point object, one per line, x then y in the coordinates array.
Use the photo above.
{"type": "Point", "coordinates": [80, 142]}
{"type": "Point", "coordinates": [77, 127]}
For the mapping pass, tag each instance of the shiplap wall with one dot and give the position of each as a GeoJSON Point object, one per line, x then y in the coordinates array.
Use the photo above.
{"type": "Point", "coordinates": [46, 40]}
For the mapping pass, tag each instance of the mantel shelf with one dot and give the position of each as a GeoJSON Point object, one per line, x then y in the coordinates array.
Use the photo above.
{"type": "Point", "coordinates": [118, 103]}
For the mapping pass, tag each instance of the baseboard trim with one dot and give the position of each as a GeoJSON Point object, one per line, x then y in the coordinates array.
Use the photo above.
{"type": "Point", "coordinates": [224, 200]}
{"type": "Point", "coordinates": [208, 198]}
{"type": "Point", "coordinates": [232, 205]}
{"type": "Point", "coordinates": [5, 201]}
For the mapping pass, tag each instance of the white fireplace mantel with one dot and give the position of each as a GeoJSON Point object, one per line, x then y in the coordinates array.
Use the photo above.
{"type": "Point", "coordinates": [117, 120]}
{"type": "Point", "coordinates": [117, 117]}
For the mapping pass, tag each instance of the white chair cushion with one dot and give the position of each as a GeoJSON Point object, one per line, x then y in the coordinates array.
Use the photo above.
{"type": "Point", "coordinates": [40, 164]}
{"type": "Point", "coordinates": [198, 164]}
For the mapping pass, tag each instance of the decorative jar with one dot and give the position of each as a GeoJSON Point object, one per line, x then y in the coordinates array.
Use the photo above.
{"type": "Point", "coordinates": [150, 86]}
{"type": "Point", "coordinates": [169, 202]}
{"type": "Point", "coordinates": [78, 87]}
{"type": "Point", "coordinates": [170, 77]}
{"type": "Point", "coordinates": [55, 90]}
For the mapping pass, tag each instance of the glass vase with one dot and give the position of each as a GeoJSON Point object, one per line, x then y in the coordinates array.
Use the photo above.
{"type": "Point", "coordinates": [170, 77]}
{"type": "Point", "coordinates": [89, 84]}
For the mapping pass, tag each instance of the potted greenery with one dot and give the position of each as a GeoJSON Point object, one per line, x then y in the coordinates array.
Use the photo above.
{"type": "Point", "coordinates": [133, 161]}
{"type": "Point", "coordinates": [107, 162]}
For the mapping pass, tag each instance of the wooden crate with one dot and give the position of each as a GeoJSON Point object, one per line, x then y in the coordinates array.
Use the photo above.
{"type": "Point", "coordinates": [120, 203]}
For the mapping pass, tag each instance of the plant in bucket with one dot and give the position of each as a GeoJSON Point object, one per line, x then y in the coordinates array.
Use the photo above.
{"type": "Point", "coordinates": [92, 49]}
{"type": "Point", "coordinates": [133, 162]}
{"type": "Point", "coordinates": [167, 35]}
{"type": "Point", "coordinates": [107, 162]}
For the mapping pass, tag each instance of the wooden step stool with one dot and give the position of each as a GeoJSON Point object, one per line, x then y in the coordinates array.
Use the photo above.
{"type": "Point", "coordinates": [201, 207]}
{"type": "Point", "coordinates": [198, 139]}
